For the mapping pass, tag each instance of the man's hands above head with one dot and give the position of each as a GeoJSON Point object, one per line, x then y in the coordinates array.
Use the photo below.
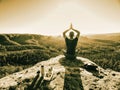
{"type": "Point", "coordinates": [71, 28]}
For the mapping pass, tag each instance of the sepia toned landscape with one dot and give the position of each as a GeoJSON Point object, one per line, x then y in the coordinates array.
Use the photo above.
{"type": "Point", "coordinates": [21, 51]}
{"type": "Point", "coordinates": [59, 44]}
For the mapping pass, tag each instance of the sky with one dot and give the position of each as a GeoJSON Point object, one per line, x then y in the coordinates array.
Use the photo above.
{"type": "Point", "coordinates": [52, 17]}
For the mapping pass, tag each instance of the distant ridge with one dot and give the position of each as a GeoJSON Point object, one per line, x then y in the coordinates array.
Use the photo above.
{"type": "Point", "coordinates": [4, 39]}
{"type": "Point", "coordinates": [106, 36]}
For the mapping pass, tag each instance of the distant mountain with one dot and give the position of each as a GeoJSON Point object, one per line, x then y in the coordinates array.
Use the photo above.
{"type": "Point", "coordinates": [34, 39]}
{"type": "Point", "coordinates": [109, 36]}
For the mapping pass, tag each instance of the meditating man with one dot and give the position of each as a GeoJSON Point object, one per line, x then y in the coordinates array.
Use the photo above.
{"type": "Point", "coordinates": [71, 42]}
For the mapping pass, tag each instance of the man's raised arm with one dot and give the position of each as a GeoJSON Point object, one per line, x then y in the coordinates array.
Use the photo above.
{"type": "Point", "coordinates": [78, 33]}
{"type": "Point", "coordinates": [64, 33]}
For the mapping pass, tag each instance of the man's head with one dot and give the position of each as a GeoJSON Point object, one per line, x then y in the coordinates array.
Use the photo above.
{"type": "Point", "coordinates": [71, 34]}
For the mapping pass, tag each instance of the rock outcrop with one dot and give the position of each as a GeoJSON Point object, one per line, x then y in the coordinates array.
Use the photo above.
{"type": "Point", "coordinates": [96, 78]}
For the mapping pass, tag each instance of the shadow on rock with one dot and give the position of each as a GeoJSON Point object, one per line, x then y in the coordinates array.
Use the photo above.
{"type": "Point", "coordinates": [72, 80]}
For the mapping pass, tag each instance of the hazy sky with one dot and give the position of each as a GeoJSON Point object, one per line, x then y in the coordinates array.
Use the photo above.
{"type": "Point", "coordinates": [52, 17]}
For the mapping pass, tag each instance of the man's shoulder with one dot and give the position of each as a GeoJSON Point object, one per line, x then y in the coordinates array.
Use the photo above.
{"type": "Point", "coordinates": [67, 38]}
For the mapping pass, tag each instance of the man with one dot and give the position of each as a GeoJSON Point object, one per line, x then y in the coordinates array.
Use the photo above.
{"type": "Point", "coordinates": [71, 42]}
